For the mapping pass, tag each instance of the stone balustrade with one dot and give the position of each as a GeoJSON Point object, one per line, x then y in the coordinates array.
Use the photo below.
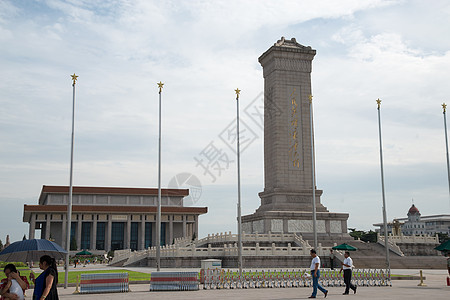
{"type": "Point", "coordinates": [120, 255]}
{"type": "Point", "coordinates": [231, 249]}
{"type": "Point", "coordinates": [412, 239]}
{"type": "Point", "coordinates": [228, 237]}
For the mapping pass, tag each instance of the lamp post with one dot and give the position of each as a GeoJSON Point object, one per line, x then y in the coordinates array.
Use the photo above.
{"type": "Point", "coordinates": [386, 242]}
{"type": "Point", "coordinates": [69, 205]}
{"type": "Point", "coordinates": [158, 215]}
{"type": "Point", "coordinates": [239, 186]}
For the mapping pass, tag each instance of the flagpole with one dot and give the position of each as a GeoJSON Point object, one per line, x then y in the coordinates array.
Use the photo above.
{"type": "Point", "coordinates": [313, 173]}
{"type": "Point", "coordinates": [444, 108]}
{"type": "Point", "coordinates": [239, 187]}
{"type": "Point", "coordinates": [158, 215]}
{"type": "Point", "coordinates": [386, 236]}
{"type": "Point", "coordinates": [69, 205]}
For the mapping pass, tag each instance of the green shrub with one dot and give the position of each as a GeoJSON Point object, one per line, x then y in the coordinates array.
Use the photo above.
{"type": "Point", "coordinates": [17, 264]}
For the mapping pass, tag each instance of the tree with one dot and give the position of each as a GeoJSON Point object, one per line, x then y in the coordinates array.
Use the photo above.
{"type": "Point", "coordinates": [24, 237]}
{"type": "Point", "coordinates": [442, 237]}
{"type": "Point", "coordinates": [1, 245]}
{"type": "Point", "coordinates": [369, 236]}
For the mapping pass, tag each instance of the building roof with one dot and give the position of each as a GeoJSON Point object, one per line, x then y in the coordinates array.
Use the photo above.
{"type": "Point", "coordinates": [413, 210]}
{"type": "Point", "coordinates": [83, 190]}
{"type": "Point", "coordinates": [28, 209]}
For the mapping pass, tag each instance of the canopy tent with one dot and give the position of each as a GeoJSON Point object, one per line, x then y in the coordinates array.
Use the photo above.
{"type": "Point", "coordinates": [344, 247]}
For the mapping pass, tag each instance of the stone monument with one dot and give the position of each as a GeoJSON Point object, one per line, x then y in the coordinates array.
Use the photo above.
{"type": "Point", "coordinates": [286, 202]}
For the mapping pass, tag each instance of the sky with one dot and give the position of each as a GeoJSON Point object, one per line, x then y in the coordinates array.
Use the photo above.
{"type": "Point", "coordinates": [398, 51]}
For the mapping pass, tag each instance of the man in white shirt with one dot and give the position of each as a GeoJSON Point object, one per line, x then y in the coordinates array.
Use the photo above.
{"type": "Point", "coordinates": [315, 274]}
{"type": "Point", "coordinates": [347, 266]}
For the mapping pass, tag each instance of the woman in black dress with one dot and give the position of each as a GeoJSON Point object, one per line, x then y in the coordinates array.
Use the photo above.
{"type": "Point", "coordinates": [45, 283]}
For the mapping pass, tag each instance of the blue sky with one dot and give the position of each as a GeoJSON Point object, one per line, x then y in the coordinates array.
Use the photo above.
{"type": "Point", "coordinates": [202, 50]}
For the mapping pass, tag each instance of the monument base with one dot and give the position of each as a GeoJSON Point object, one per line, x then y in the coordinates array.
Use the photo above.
{"type": "Point", "coordinates": [299, 222]}
{"type": "Point", "coordinates": [290, 200]}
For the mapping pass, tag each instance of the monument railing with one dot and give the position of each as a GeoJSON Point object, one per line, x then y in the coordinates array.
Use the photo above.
{"type": "Point", "coordinates": [392, 245]}
{"type": "Point", "coordinates": [231, 249]}
{"type": "Point", "coordinates": [412, 239]}
{"type": "Point", "coordinates": [136, 256]}
{"type": "Point", "coordinates": [185, 247]}
{"type": "Point", "coordinates": [228, 237]}
{"type": "Point", "coordinates": [120, 255]}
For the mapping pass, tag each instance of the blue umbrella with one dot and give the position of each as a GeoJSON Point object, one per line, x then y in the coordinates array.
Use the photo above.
{"type": "Point", "coordinates": [32, 250]}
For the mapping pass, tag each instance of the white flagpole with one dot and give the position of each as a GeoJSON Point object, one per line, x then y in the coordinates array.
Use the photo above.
{"type": "Point", "coordinates": [158, 215]}
{"type": "Point", "coordinates": [69, 205]}
{"type": "Point", "coordinates": [313, 173]}
{"type": "Point", "coordinates": [386, 235]}
{"type": "Point", "coordinates": [239, 188]}
{"type": "Point", "coordinates": [444, 108]}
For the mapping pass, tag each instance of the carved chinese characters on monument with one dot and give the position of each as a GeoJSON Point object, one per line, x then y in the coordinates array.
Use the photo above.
{"type": "Point", "coordinates": [294, 134]}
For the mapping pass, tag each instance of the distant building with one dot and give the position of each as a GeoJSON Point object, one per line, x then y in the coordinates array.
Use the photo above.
{"type": "Point", "coordinates": [416, 224]}
{"type": "Point", "coordinates": [112, 218]}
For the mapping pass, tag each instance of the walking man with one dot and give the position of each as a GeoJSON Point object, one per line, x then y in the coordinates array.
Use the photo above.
{"type": "Point", "coordinates": [315, 274]}
{"type": "Point", "coordinates": [347, 266]}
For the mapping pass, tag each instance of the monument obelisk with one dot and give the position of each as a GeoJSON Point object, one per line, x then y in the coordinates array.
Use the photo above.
{"type": "Point", "coordinates": [286, 202]}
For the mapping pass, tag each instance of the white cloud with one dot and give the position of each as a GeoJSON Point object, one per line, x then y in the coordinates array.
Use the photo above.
{"type": "Point", "coordinates": [203, 50]}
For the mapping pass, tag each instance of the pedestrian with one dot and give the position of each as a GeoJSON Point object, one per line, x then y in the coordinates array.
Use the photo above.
{"type": "Point", "coordinates": [45, 283]}
{"type": "Point", "coordinates": [331, 259]}
{"type": "Point", "coordinates": [13, 286]}
{"type": "Point", "coordinates": [347, 266]}
{"type": "Point", "coordinates": [448, 262]}
{"type": "Point", "coordinates": [315, 274]}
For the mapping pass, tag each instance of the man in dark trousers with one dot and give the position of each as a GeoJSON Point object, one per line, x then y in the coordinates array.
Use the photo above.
{"type": "Point", "coordinates": [347, 266]}
{"type": "Point", "coordinates": [331, 259]}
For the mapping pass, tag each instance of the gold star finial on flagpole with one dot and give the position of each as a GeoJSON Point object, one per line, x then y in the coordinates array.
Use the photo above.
{"type": "Point", "coordinates": [310, 98]}
{"type": "Point", "coordinates": [160, 85]}
{"type": "Point", "coordinates": [444, 106]}
{"type": "Point", "coordinates": [74, 78]}
{"type": "Point", "coordinates": [238, 91]}
{"type": "Point", "coordinates": [378, 103]}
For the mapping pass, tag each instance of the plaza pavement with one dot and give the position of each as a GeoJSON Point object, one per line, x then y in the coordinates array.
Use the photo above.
{"type": "Point", "coordinates": [401, 289]}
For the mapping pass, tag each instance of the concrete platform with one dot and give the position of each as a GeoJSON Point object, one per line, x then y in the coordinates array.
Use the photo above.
{"type": "Point", "coordinates": [401, 289]}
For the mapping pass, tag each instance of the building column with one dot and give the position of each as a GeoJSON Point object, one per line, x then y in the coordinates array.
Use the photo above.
{"type": "Point", "coordinates": [64, 231]}
{"type": "Point", "coordinates": [142, 240]}
{"type": "Point", "coordinates": [32, 226]}
{"type": "Point", "coordinates": [128, 233]}
{"type": "Point", "coordinates": [108, 234]}
{"type": "Point", "coordinates": [47, 227]}
{"type": "Point", "coordinates": [184, 217]}
{"type": "Point", "coordinates": [94, 233]}
{"type": "Point", "coordinates": [170, 230]}
{"type": "Point", "coordinates": [196, 227]}
{"type": "Point", "coordinates": [79, 232]}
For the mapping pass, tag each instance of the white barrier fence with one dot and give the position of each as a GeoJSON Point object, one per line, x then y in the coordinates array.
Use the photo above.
{"type": "Point", "coordinates": [227, 279]}
{"type": "Point", "coordinates": [104, 283]}
{"type": "Point", "coordinates": [174, 281]}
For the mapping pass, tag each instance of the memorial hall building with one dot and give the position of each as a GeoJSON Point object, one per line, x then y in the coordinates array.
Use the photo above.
{"type": "Point", "coordinates": [111, 218]}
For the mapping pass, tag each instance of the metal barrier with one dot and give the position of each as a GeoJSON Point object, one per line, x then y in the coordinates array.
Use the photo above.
{"type": "Point", "coordinates": [104, 283]}
{"type": "Point", "coordinates": [174, 281]}
{"type": "Point", "coordinates": [227, 279]}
